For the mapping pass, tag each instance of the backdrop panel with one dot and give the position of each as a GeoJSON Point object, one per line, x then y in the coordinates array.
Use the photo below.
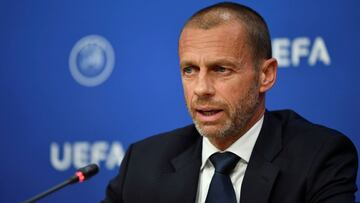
{"type": "Point", "coordinates": [81, 80]}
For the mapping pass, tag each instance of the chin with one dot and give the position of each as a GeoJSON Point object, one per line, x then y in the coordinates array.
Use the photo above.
{"type": "Point", "coordinates": [212, 131]}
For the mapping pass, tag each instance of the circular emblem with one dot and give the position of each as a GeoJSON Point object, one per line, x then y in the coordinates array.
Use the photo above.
{"type": "Point", "coordinates": [91, 60]}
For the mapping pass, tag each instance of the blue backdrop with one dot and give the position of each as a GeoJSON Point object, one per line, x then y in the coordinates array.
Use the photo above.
{"type": "Point", "coordinates": [81, 80]}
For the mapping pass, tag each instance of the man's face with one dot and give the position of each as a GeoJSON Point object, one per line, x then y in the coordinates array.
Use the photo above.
{"type": "Point", "coordinates": [219, 78]}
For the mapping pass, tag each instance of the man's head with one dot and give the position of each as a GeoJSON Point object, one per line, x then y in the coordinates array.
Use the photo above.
{"type": "Point", "coordinates": [226, 65]}
{"type": "Point", "coordinates": [258, 37]}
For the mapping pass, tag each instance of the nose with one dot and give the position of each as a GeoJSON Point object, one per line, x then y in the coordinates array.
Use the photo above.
{"type": "Point", "coordinates": [204, 86]}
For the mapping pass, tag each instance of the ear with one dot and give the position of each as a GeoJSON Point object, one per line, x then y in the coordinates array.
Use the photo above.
{"type": "Point", "coordinates": [268, 72]}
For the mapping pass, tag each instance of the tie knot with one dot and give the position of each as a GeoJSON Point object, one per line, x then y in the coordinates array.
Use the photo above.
{"type": "Point", "coordinates": [224, 162]}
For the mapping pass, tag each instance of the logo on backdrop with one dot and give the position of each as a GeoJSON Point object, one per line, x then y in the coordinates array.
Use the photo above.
{"type": "Point", "coordinates": [65, 155]}
{"type": "Point", "coordinates": [300, 51]}
{"type": "Point", "coordinates": [91, 60]}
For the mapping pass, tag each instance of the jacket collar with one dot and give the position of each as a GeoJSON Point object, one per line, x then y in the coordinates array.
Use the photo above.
{"type": "Point", "coordinates": [180, 184]}
{"type": "Point", "coordinates": [261, 173]}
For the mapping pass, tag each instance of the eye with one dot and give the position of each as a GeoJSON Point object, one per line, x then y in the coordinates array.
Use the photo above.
{"type": "Point", "coordinates": [220, 69]}
{"type": "Point", "coordinates": [189, 70]}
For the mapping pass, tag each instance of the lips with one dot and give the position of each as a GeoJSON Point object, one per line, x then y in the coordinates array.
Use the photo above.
{"type": "Point", "coordinates": [208, 114]}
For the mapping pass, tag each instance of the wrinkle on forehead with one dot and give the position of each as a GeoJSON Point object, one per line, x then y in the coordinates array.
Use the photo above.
{"type": "Point", "coordinates": [224, 40]}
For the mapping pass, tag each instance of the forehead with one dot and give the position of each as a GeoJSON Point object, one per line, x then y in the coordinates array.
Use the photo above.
{"type": "Point", "coordinates": [223, 40]}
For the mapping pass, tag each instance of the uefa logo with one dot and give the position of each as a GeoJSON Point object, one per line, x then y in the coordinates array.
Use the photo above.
{"type": "Point", "coordinates": [91, 60]}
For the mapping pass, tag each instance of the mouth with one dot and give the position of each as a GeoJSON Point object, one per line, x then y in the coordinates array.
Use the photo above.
{"type": "Point", "coordinates": [208, 114]}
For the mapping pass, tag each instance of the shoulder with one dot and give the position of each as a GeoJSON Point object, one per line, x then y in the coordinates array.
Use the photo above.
{"type": "Point", "coordinates": [312, 142]}
{"type": "Point", "coordinates": [323, 159]}
{"type": "Point", "coordinates": [182, 134]}
{"type": "Point", "coordinates": [294, 126]}
{"type": "Point", "coordinates": [174, 141]}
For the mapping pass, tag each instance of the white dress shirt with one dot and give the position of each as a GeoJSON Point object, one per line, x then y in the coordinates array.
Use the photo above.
{"type": "Point", "coordinates": [242, 147]}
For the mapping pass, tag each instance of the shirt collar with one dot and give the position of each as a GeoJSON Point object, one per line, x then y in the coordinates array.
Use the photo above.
{"type": "Point", "coordinates": [242, 147]}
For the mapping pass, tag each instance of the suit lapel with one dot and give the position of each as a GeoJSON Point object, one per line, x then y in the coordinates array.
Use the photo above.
{"type": "Point", "coordinates": [261, 174]}
{"type": "Point", "coordinates": [180, 184]}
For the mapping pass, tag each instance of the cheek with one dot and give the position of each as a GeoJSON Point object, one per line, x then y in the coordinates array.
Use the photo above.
{"type": "Point", "coordinates": [187, 93]}
{"type": "Point", "coordinates": [232, 93]}
{"type": "Point", "coordinates": [229, 90]}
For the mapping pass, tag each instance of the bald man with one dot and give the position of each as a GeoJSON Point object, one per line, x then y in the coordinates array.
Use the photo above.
{"type": "Point", "coordinates": [235, 151]}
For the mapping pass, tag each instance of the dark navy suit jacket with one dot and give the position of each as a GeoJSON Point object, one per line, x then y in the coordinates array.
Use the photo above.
{"type": "Point", "coordinates": [293, 161]}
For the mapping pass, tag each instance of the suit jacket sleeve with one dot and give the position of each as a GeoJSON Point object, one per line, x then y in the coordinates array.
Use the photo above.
{"type": "Point", "coordinates": [332, 178]}
{"type": "Point", "coordinates": [114, 189]}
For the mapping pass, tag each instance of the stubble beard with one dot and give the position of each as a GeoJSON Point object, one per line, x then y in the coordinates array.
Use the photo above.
{"type": "Point", "coordinates": [238, 118]}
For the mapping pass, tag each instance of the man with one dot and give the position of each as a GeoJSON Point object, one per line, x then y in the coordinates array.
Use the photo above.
{"type": "Point", "coordinates": [226, 65]}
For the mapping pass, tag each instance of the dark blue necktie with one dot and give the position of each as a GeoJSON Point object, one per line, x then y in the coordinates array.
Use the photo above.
{"type": "Point", "coordinates": [221, 189]}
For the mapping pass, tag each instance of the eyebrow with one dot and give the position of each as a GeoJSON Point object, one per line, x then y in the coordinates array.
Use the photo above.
{"type": "Point", "coordinates": [223, 61]}
{"type": "Point", "coordinates": [186, 63]}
